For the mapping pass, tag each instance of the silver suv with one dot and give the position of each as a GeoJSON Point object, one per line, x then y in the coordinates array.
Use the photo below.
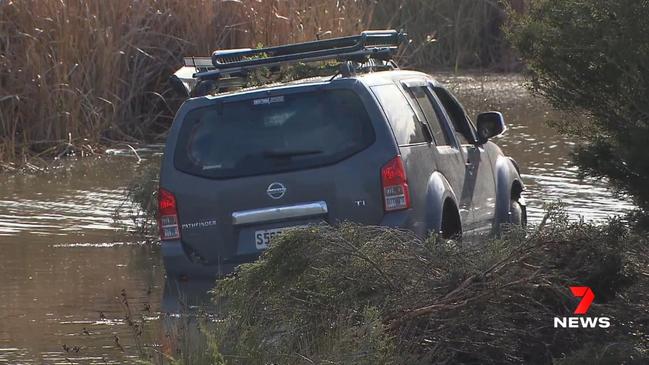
{"type": "Point", "coordinates": [370, 144]}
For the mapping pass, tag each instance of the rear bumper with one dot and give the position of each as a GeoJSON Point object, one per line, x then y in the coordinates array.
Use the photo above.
{"type": "Point", "coordinates": [179, 266]}
{"type": "Point", "coordinates": [403, 220]}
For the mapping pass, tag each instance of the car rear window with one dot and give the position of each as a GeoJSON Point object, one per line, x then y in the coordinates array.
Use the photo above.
{"type": "Point", "coordinates": [273, 134]}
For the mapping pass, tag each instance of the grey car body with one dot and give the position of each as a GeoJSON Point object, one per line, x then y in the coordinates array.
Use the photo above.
{"type": "Point", "coordinates": [459, 182]}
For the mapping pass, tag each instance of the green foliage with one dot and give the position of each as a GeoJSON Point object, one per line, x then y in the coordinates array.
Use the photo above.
{"type": "Point", "coordinates": [264, 76]}
{"type": "Point", "coordinates": [371, 295]}
{"type": "Point", "coordinates": [589, 57]}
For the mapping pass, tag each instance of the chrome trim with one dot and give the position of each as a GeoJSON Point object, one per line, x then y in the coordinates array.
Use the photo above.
{"type": "Point", "coordinates": [276, 213]}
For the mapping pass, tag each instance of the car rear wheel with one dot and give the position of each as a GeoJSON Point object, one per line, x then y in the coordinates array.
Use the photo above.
{"type": "Point", "coordinates": [451, 224]}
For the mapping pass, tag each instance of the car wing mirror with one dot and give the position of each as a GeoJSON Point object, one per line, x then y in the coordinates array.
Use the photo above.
{"type": "Point", "coordinates": [489, 125]}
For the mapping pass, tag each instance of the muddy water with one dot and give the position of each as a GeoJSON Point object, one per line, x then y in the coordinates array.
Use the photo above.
{"type": "Point", "coordinates": [543, 156]}
{"type": "Point", "coordinates": [64, 262]}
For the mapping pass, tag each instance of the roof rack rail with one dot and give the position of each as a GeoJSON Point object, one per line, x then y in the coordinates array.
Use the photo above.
{"type": "Point", "coordinates": [378, 45]}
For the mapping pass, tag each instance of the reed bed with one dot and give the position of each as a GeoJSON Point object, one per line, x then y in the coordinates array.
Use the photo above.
{"type": "Point", "coordinates": [453, 34]}
{"type": "Point", "coordinates": [78, 73]}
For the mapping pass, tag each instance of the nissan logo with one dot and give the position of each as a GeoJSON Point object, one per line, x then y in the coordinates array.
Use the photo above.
{"type": "Point", "coordinates": [276, 190]}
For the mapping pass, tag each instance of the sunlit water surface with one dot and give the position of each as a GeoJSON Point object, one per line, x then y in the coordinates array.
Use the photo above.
{"type": "Point", "coordinates": [65, 260]}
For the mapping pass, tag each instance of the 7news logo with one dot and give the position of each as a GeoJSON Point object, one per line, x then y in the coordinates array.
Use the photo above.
{"type": "Point", "coordinates": [587, 296]}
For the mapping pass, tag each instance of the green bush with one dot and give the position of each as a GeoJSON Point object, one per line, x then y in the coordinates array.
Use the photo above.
{"type": "Point", "coordinates": [589, 57]}
{"type": "Point", "coordinates": [369, 295]}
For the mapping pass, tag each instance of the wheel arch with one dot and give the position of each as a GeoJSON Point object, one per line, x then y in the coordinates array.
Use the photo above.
{"type": "Point", "coordinates": [439, 194]}
{"type": "Point", "coordinates": [509, 185]}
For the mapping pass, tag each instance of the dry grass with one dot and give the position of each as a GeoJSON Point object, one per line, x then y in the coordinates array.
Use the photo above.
{"type": "Point", "coordinates": [74, 72]}
{"type": "Point", "coordinates": [77, 72]}
{"type": "Point", "coordinates": [452, 34]}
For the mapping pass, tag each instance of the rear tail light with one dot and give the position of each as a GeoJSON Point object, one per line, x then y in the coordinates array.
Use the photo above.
{"type": "Point", "coordinates": [167, 215]}
{"type": "Point", "coordinates": [396, 195]}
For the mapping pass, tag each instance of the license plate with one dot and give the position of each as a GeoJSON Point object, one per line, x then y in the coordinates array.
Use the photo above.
{"type": "Point", "coordinates": [264, 237]}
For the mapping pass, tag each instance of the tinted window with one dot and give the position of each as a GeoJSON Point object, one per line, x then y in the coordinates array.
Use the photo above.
{"type": "Point", "coordinates": [424, 102]}
{"type": "Point", "coordinates": [461, 123]}
{"type": "Point", "coordinates": [406, 127]}
{"type": "Point", "coordinates": [273, 134]}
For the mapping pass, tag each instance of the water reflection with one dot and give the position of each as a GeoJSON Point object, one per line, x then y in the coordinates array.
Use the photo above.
{"type": "Point", "coordinates": [65, 262]}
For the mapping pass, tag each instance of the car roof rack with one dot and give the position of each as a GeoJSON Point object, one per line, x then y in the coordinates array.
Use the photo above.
{"type": "Point", "coordinates": [228, 67]}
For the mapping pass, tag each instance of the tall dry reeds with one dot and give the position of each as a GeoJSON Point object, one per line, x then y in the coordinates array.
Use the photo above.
{"type": "Point", "coordinates": [452, 34]}
{"type": "Point", "coordinates": [75, 72]}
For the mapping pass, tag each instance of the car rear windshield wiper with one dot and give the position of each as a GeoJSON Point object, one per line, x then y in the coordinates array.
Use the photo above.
{"type": "Point", "coordinates": [289, 153]}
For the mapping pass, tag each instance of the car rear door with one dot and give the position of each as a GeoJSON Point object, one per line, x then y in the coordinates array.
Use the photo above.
{"type": "Point", "coordinates": [447, 153]}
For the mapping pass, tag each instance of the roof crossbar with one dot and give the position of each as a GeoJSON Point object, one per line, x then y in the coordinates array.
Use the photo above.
{"type": "Point", "coordinates": [327, 47]}
{"type": "Point", "coordinates": [379, 45]}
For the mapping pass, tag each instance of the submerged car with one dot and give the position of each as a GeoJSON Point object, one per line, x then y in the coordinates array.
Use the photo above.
{"type": "Point", "coordinates": [370, 144]}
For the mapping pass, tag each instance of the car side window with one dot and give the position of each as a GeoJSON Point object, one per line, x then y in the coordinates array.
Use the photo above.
{"type": "Point", "coordinates": [405, 125]}
{"type": "Point", "coordinates": [425, 105]}
{"type": "Point", "coordinates": [463, 128]}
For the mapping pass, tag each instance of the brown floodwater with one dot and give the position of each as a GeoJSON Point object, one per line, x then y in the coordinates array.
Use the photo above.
{"type": "Point", "coordinates": [65, 260]}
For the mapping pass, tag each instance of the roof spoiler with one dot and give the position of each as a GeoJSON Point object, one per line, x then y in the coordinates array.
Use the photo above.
{"type": "Point", "coordinates": [379, 45]}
